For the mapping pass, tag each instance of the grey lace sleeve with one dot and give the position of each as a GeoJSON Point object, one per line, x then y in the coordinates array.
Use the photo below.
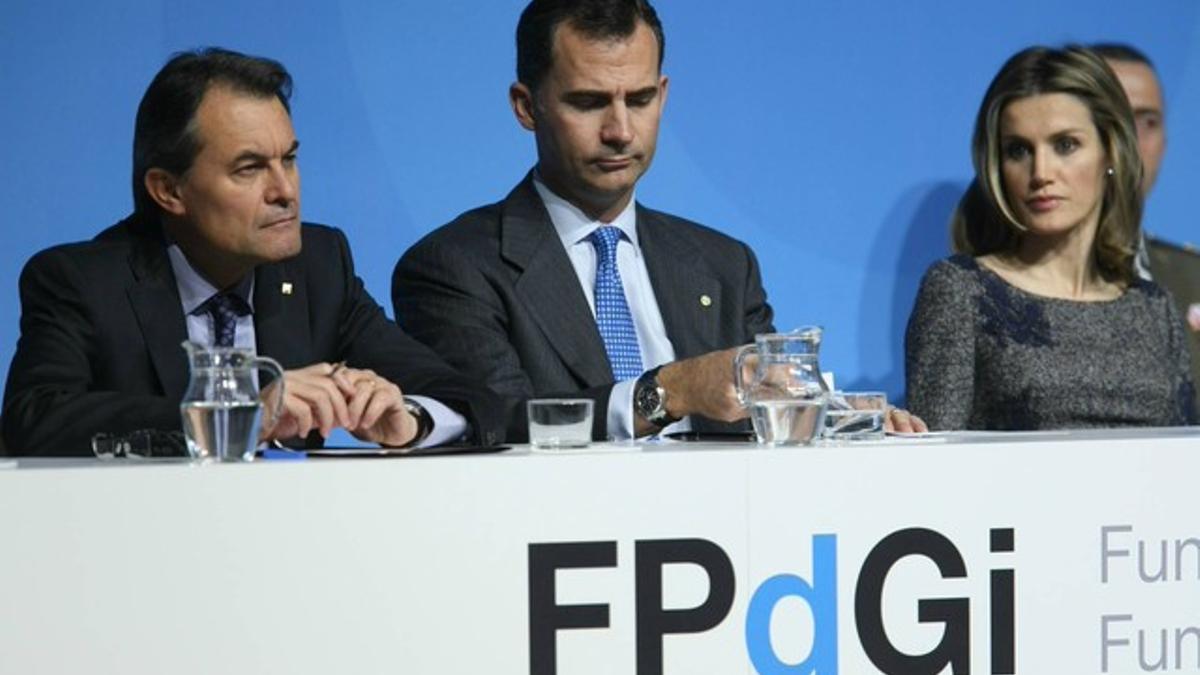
{"type": "Point", "coordinates": [1185, 388]}
{"type": "Point", "coordinates": [940, 348]}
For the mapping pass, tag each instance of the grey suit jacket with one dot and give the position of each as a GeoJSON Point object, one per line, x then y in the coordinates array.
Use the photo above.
{"type": "Point", "coordinates": [494, 293]}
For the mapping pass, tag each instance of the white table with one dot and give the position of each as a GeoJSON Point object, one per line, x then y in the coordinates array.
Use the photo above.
{"type": "Point", "coordinates": [422, 565]}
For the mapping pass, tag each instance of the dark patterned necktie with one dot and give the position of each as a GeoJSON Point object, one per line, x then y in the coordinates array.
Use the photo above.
{"type": "Point", "coordinates": [613, 317]}
{"type": "Point", "coordinates": [225, 308]}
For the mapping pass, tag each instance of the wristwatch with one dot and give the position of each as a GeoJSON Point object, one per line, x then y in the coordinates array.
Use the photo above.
{"type": "Point", "coordinates": [650, 399]}
{"type": "Point", "coordinates": [424, 421]}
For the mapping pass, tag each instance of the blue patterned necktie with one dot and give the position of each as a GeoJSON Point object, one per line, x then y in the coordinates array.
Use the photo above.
{"type": "Point", "coordinates": [225, 308]}
{"type": "Point", "coordinates": [612, 312]}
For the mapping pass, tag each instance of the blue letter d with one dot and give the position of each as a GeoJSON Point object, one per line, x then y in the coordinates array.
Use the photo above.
{"type": "Point", "coordinates": [821, 597]}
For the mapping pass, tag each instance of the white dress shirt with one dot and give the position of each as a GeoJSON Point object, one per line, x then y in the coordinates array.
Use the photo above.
{"type": "Point", "coordinates": [573, 228]}
{"type": "Point", "coordinates": [195, 290]}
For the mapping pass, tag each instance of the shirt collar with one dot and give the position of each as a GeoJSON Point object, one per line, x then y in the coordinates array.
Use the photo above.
{"type": "Point", "coordinates": [195, 290]}
{"type": "Point", "coordinates": [573, 226]}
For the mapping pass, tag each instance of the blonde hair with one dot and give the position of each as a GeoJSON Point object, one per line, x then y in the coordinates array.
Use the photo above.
{"type": "Point", "coordinates": [985, 222]}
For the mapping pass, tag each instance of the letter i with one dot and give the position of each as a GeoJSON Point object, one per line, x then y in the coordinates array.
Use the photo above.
{"type": "Point", "coordinates": [1003, 600]}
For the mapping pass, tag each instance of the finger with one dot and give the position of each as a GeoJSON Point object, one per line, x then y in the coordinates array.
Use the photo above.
{"type": "Point", "coordinates": [734, 411]}
{"type": "Point", "coordinates": [267, 431]}
{"type": "Point", "coordinates": [889, 420]}
{"type": "Point", "coordinates": [315, 395]}
{"type": "Point", "coordinates": [727, 403]}
{"type": "Point", "coordinates": [330, 401]}
{"type": "Point", "coordinates": [319, 369]}
{"type": "Point", "coordinates": [296, 420]}
{"type": "Point", "coordinates": [346, 379]}
{"type": "Point", "coordinates": [396, 427]}
{"type": "Point", "coordinates": [266, 424]}
{"type": "Point", "coordinates": [726, 413]}
{"type": "Point", "coordinates": [918, 424]}
{"type": "Point", "coordinates": [383, 400]}
{"type": "Point", "coordinates": [345, 384]}
{"type": "Point", "coordinates": [355, 375]}
{"type": "Point", "coordinates": [324, 411]}
{"type": "Point", "coordinates": [272, 398]}
{"type": "Point", "coordinates": [358, 402]}
{"type": "Point", "coordinates": [901, 421]}
{"type": "Point", "coordinates": [337, 402]}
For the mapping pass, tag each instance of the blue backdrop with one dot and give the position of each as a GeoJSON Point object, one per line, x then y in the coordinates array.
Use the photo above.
{"type": "Point", "coordinates": [832, 137]}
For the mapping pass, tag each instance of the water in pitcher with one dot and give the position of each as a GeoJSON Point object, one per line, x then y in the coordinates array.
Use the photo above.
{"type": "Point", "coordinates": [224, 431]}
{"type": "Point", "coordinates": [787, 421]}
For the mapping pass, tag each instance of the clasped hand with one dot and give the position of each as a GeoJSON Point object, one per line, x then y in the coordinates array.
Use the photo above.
{"type": "Point", "coordinates": [325, 396]}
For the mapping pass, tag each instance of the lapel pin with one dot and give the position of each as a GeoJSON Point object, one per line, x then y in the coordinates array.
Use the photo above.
{"type": "Point", "coordinates": [286, 288]}
{"type": "Point", "coordinates": [705, 301]}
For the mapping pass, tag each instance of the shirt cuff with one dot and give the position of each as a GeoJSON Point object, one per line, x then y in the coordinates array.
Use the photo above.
{"type": "Point", "coordinates": [448, 425]}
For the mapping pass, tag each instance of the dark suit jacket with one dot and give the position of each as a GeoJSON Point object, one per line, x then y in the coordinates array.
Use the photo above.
{"type": "Point", "coordinates": [1178, 269]}
{"type": "Point", "coordinates": [494, 293]}
{"type": "Point", "coordinates": [101, 327]}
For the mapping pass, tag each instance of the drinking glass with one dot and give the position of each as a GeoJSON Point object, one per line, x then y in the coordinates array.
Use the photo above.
{"type": "Point", "coordinates": [560, 422]}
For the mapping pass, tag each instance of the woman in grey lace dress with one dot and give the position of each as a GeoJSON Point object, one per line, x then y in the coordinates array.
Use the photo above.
{"type": "Point", "coordinates": [1039, 321]}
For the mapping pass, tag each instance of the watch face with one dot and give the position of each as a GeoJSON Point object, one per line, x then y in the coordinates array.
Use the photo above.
{"type": "Point", "coordinates": [648, 401]}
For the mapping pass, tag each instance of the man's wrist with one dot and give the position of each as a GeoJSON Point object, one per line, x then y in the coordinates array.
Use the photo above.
{"type": "Point", "coordinates": [423, 419]}
{"type": "Point", "coordinates": [651, 400]}
{"type": "Point", "coordinates": [675, 393]}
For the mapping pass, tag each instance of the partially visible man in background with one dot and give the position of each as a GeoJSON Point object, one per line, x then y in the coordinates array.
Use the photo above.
{"type": "Point", "coordinates": [1174, 266]}
{"type": "Point", "coordinates": [1140, 81]}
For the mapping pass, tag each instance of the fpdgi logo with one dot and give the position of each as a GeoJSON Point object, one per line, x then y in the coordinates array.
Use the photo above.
{"type": "Point", "coordinates": [653, 621]}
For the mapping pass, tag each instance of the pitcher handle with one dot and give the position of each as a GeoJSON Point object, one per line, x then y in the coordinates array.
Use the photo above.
{"type": "Point", "coordinates": [739, 382]}
{"type": "Point", "coordinates": [272, 366]}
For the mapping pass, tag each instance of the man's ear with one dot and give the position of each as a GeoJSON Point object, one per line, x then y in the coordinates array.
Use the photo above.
{"type": "Point", "coordinates": [163, 187]}
{"type": "Point", "coordinates": [521, 99]}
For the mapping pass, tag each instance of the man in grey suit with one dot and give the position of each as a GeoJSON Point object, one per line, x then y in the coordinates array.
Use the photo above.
{"type": "Point", "coordinates": [568, 286]}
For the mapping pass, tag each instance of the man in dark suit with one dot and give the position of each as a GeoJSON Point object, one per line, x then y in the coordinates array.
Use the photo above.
{"type": "Point", "coordinates": [568, 287]}
{"type": "Point", "coordinates": [216, 253]}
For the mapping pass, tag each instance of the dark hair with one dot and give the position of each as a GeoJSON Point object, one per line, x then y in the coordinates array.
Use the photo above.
{"type": "Point", "coordinates": [985, 221]}
{"type": "Point", "coordinates": [164, 135]}
{"type": "Point", "coordinates": [1119, 51]}
{"type": "Point", "coordinates": [598, 19]}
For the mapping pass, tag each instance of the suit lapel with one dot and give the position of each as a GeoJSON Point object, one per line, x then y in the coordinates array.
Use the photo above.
{"type": "Point", "coordinates": [159, 311]}
{"type": "Point", "coordinates": [280, 319]}
{"type": "Point", "coordinates": [688, 294]}
{"type": "Point", "coordinates": [548, 285]}
{"type": "Point", "coordinates": [281, 314]}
